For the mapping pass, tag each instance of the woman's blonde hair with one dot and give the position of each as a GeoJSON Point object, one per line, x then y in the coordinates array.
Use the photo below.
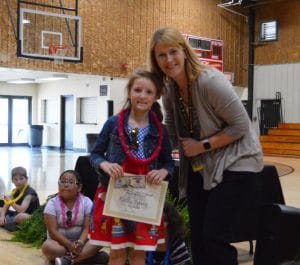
{"type": "Point", "coordinates": [171, 36]}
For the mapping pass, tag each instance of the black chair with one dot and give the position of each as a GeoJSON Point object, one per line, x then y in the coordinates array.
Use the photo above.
{"type": "Point", "coordinates": [268, 191]}
{"type": "Point", "coordinates": [89, 176]}
{"type": "Point", "coordinates": [278, 241]}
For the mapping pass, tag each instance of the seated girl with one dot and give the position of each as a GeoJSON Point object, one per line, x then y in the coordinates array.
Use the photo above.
{"type": "Point", "coordinates": [67, 220]}
{"type": "Point", "coordinates": [174, 251]}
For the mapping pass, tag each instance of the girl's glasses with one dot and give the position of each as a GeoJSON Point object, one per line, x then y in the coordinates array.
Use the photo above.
{"type": "Point", "coordinates": [69, 218]}
{"type": "Point", "coordinates": [67, 182]}
{"type": "Point", "coordinates": [134, 145]}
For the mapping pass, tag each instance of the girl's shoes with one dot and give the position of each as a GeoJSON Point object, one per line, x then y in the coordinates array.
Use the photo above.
{"type": "Point", "coordinates": [64, 260]}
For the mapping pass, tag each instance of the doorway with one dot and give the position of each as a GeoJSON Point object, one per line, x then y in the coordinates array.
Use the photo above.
{"type": "Point", "coordinates": [67, 121]}
{"type": "Point", "coordinates": [15, 119]}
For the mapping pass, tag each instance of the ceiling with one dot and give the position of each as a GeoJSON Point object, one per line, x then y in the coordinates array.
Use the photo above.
{"type": "Point", "coordinates": [9, 74]}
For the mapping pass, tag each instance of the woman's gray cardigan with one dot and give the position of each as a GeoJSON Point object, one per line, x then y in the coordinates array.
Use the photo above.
{"type": "Point", "coordinates": [218, 108]}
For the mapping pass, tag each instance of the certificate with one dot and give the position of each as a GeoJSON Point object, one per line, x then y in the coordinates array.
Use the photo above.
{"type": "Point", "coordinates": [133, 198]}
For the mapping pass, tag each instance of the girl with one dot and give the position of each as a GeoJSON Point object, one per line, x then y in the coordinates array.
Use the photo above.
{"type": "Point", "coordinates": [67, 219]}
{"type": "Point", "coordinates": [174, 251]}
{"type": "Point", "coordinates": [134, 141]}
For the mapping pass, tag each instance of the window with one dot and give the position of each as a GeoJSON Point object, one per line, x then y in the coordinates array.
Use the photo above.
{"type": "Point", "coordinates": [88, 110]}
{"type": "Point", "coordinates": [49, 111]}
{"type": "Point", "coordinates": [103, 90]}
{"type": "Point", "coordinates": [43, 110]}
{"type": "Point", "coordinates": [269, 31]}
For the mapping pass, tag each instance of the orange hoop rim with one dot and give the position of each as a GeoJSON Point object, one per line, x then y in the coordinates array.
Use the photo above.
{"type": "Point", "coordinates": [54, 47]}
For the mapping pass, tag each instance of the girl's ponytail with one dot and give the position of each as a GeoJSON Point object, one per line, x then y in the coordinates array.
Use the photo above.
{"type": "Point", "coordinates": [157, 109]}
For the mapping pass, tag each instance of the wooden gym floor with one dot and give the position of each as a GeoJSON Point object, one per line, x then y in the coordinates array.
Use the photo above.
{"type": "Point", "coordinates": [44, 167]}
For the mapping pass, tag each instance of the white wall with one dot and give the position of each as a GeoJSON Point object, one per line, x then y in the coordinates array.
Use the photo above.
{"type": "Point", "coordinates": [80, 86]}
{"type": "Point", "coordinates": [242, 92]}
{"type": "Point", "coordinates": [283, 78]}
{"type": "Point", "coordinates": [77, 86]}
{"type": "Point", "coordinates": [118, 93]}
{"type": "Point", "coordinates": [268, 79]}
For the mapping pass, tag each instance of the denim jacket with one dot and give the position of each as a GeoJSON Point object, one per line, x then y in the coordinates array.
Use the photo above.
{"type": "Point", "coordinates": [108, 148]}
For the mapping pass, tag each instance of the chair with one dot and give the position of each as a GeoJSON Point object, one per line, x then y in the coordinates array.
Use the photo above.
{"type": "Point", "coordinates": [278, 241]}
{"type": "Point", "coordinates": [89, 176]}
{"type": "Point", "coordinates": [268, 191]}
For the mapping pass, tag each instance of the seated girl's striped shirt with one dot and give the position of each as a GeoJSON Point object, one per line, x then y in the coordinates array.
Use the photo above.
{"type": "Point", "coordinates": [178, 254]}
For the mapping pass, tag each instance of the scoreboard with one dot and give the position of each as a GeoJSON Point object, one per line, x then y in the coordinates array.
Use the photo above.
{"type": "Point", "coordinates": [209, 51]}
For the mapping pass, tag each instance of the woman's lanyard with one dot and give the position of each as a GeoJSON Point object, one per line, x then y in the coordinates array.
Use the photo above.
{"type": "Point", "coordinates": [187, 113]}
{"type": "Point", "coordinates": [166, 258]}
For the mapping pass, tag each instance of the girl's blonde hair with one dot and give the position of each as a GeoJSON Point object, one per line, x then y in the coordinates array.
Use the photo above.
{"type": "Point", "coordinates": [173, 37]}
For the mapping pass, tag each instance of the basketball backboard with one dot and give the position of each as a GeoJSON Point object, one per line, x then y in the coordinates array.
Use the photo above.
{"type": "Point", "coordinates": [44, 35]}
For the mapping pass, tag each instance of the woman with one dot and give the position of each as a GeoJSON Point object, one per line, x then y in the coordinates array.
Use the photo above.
{"type": "Point", "coordinates": [135, 142]}
{"type": "Point", "coordinates": [220, 154]}
{"type": "Point", "coordinates": [67, 220]}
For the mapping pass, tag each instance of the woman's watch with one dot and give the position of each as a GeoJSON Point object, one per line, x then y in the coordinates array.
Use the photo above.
{"type": "Point", "coordinates": [206, 145]}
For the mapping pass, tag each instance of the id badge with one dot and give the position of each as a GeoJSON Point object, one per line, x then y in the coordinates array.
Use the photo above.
{"type": "Point", "coordinates": [197, 164]}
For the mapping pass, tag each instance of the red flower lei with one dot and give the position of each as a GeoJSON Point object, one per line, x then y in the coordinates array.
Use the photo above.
{"type": "Point", "coordinates": [121, 130]}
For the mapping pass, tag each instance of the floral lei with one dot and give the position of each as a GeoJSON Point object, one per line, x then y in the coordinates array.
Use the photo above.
{"type": "Point", "coordinates": [121, 130]}
{"type": "Point", "coordinates": [12, 194]}
{"type": "Point", "coordinates": [64, 212]}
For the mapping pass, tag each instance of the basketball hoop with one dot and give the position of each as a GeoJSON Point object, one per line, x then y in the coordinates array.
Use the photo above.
{"type": "Point", "coordinates": [58, 52]}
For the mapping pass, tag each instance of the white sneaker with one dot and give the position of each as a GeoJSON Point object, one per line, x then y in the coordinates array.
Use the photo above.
{"type": "Point", "coordinates": [64, 260]}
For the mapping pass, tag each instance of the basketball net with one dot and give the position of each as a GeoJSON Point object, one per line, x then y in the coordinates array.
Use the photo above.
{"type": "Point", "coordinates": [58, 52]}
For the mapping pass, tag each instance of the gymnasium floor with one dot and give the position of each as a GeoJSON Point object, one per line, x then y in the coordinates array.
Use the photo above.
{"type": "Point", "coordinates": [44, 167]}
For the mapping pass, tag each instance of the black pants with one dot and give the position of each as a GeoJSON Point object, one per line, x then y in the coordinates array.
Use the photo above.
{"type": "Point", "coordinates": [216, 215]}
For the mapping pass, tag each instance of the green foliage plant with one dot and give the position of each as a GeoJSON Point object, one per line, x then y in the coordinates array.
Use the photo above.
{"type": "Point", "coordinates": [33, 230]}
{"type": "Point", "coordinates": [181, 206]}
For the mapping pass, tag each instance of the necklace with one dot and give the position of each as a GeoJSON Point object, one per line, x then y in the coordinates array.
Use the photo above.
{"type": "Point", "coordinates": [121, 130]}
{"type": "Point", "coordinates": [12, 194]}
{"type": "Point", "coordinates": [187, 113]}
{"type": "Point", "coordinates": [64, 212]}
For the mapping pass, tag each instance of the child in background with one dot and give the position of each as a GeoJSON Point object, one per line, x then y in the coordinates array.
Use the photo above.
{"type": "Point", "coordinates": [21, 203]}
{"type": "Point", "coordinates": [66, 217]}
{"type": "Point", "coordinates": [174, 251]}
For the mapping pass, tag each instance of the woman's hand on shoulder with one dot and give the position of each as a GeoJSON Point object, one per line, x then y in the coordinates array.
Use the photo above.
{"type": "Point", "coordinates": [156, 176]}
{"type": "Point", "coordinates": [114, 170]}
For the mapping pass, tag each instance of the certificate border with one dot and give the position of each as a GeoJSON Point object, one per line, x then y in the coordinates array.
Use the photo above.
{"type": "Point", "coordinates": [155, 220]}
